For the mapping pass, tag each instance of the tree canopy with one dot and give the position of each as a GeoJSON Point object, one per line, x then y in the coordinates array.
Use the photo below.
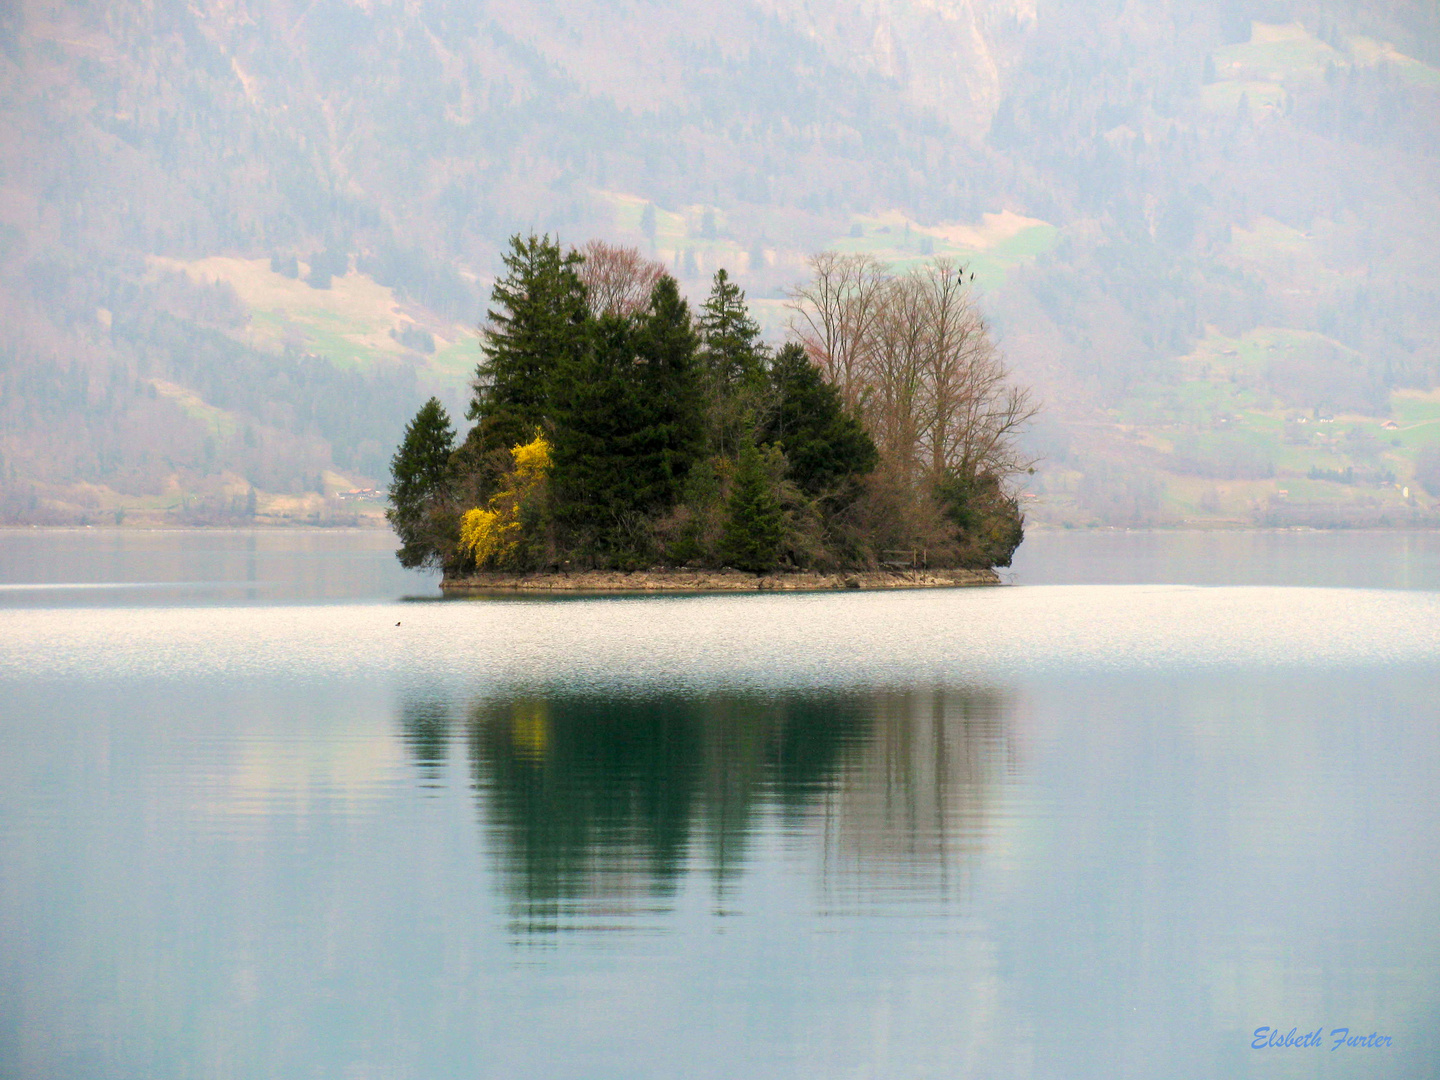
{"type": "Point", "coordinates": [420, 475]}
{"type": "Point", "coordinates": [824, 444]}
{"type": "Point", "coordinates": [538, 323]}
{"type": "Point", "coordinates": [616, 429]}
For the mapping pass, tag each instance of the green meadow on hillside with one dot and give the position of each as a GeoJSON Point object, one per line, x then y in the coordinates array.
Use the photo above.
{"type": "Point", "coordinates": [354, 323]}
{"type": "Point", "coordinates": [1223, 445]}
{"type": "Point", "coordinates": [1283, 57]}
{"type": "Point", "coordinates": [990, 250]}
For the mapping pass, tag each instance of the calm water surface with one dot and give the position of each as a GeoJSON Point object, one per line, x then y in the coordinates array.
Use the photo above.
{"type": "Point", "coordinates": [268, 809]}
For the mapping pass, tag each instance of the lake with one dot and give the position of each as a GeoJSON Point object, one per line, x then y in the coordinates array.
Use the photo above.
{"type": "Point", "coordinates": [271, 808]}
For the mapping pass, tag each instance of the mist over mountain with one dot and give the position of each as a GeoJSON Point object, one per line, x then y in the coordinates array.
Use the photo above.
{"type": "Point", "coordinates": [241, 241]}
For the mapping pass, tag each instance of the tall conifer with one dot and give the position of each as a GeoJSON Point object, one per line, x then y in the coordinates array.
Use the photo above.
{"type": "Point", "coordinates": [538, 323]}
{"type": "Point", "coordinates": [593, 481]}
{"type": "Point", "coordinates": [420, 476]}
{"type": "Point", "coordinates": [734, 353]}
{"type": "Point", "coordinates": [627, 424]}
{"type": "Point", "coordinates": [668, 396]}
{"type": "Point", "coordinates": [733, 358]}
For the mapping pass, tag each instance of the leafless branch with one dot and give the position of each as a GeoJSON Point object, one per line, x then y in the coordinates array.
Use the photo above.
{"type": "Point", "coordinates": [914, 355]}
{"type": "Point", "coordinates": [618, 280]}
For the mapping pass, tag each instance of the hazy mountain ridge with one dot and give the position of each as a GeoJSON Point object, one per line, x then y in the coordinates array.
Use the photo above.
{"type": "Point", "coordinates": [949, 57]}
{"type": "Point", "coordinates": [1212, 171]}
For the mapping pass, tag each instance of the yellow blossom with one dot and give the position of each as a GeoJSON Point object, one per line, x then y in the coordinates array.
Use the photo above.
{"type": "Point", "coordinates": [491, 535]}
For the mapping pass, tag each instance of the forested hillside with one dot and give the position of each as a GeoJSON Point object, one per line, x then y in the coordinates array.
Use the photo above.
{"type": "Point", "coordinates": [241, 242]}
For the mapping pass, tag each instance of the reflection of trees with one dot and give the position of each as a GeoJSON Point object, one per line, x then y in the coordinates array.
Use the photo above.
{"type": "Point", "coordinates": [425, 727]}
{"type": "Point", "coordinates": [598, 805]}
{"type": "Point", "coordinates": [602, 797]}
{"type": "Point", "coordinates": [904, 822]}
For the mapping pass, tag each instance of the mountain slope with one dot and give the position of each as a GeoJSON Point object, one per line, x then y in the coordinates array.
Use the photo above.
{"type": "Point", "coordinates": [289, 213]}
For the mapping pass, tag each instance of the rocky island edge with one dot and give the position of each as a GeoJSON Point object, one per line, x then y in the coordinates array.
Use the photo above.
{"type": "Point", "coordinates": [683, 580]}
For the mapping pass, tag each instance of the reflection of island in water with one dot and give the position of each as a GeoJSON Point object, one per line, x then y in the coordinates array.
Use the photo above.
{"type": "Point", "coordinates": [596, 807]}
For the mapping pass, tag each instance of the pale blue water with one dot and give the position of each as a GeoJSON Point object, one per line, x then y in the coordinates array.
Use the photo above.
{"type": "Point", "coordinates": [250, 827]}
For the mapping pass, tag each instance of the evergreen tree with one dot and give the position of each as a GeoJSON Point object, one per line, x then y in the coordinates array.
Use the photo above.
{"type": "Point", "coordinates": [733, 358]}
{"type": "Point", "coordinates": [627, 425]}
{"type": "Point", "coordinates": [756, 525]}
{"type": "Point", "coordinates": [734, 354]}
{"type": "Point", "coordinates": [667, 438]}
{"type": "Point", "coordinates": [825, 446]}
{"type": "Point", "coordinates": [420, 477]}
{"type": "Point", "coordinates": [595, 406]}
{"type": "Point", "coordinates": [538, 323]}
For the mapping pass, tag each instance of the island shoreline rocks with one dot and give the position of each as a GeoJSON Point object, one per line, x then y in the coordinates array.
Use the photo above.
{"type": "Point", "coordinates": [710, 581]}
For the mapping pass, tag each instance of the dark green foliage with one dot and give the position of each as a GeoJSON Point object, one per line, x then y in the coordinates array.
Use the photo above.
{"type": "Point", "coordinates": [539, 323]}
{"type": "Point", "coordinates": [668, 405]}
{"type": "Point", "coordinates": [734, 354]}
{"type": "Point", "coordinates": [627, 417]}
{"type": "Point", "coordinates": [990, 522]}
{"type": "Point", "coordinates": [673, 442]}
{"type": "Point", "coordinates": [733, 358]}
{"type": "Point", "coordinates": [420, 478]}
{"type": "Point", "coordinates": [695, 539]}
{"type": "Point", "coordinates": [827, 448]}
{"type": "Point", "coordinates": [756, 527]}
{"type": "Point", "coordinates": [594, 489]}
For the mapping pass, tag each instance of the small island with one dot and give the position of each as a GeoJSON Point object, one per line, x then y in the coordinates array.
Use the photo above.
{"type": "Point", "coordinates": [622, 443]}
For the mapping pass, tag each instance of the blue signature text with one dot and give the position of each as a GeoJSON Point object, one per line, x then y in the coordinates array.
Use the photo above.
{"type": "Point", "coordinates": [1266, 1038]}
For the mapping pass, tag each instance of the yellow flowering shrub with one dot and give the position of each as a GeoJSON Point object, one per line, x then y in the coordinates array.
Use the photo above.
{"type": "Point", "coordinates": [482, 535]}
{"type": "Point", "coordinates": [491, 534]}
{"type": "Point", "coordinates": [532, 462]}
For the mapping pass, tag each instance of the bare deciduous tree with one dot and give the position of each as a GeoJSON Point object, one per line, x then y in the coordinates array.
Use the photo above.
{"type": "Point", "coordinates": [913, 354]}
{"type": "Point", "coordinates": [618, 280]}
{"type": "Point", "coordinates": [893, 370]}
{"type": "Point", "coordinates": [835, 317]}
{"type": "Point", "coordinates": [973, 411]}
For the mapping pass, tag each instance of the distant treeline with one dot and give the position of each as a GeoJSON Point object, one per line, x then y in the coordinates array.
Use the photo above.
{"type": "Point", "coordinates": [615, 428]}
